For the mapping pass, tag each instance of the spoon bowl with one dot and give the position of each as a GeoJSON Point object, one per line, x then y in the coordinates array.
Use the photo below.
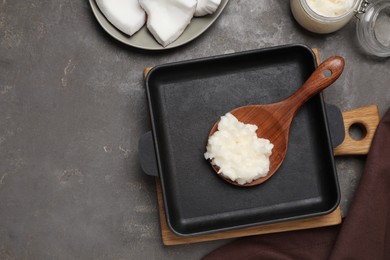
{"type": "Point", "coordinates": [274, 120]}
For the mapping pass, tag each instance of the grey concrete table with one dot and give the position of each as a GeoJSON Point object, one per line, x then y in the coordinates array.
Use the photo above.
{"type": "Point", "coordinates": [72, 107]}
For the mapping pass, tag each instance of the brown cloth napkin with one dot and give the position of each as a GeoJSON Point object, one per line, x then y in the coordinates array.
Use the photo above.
{"type": "Point", "coordinates": [364, 233]}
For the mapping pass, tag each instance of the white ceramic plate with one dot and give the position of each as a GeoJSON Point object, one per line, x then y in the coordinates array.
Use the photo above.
{"type": "Point", "coordinates": [144, 40]}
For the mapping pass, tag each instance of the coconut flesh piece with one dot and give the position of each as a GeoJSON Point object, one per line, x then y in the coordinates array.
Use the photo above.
{"type": "Point", "coordinates": [205, 7]}
{"type": "Point", "coordinates": [167, 19]}
{"type": "Point", "coordinates": [126, 15]}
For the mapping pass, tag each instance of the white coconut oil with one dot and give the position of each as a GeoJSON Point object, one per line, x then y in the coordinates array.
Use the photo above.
{"type": "Point", "coordinates": [238, 152]}
{"type": "Point", "coordinates": [323, 16]}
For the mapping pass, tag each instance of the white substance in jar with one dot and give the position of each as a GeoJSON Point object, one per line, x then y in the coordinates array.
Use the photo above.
{"type": "Point", "coordinates": [330, 8]}
{"type": "Point", "coordinates": [323, 16]}
{"type": "Point", "coordinates": [238, 152]}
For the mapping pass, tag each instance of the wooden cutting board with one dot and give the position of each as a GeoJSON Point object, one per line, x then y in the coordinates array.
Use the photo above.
{"type": "Point", "coordinates": [365, 117]}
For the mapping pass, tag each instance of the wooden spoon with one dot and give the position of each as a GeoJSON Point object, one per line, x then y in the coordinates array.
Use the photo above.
{"type": "Point", "coordinates": [274, 120]}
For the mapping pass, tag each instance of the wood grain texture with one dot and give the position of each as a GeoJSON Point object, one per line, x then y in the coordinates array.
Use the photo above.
{"type": "Point", "coordinates": [147, 70]}
{"type": "Point", "coordinates": [368, 118]}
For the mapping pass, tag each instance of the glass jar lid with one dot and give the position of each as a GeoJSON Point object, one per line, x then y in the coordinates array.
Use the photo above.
{"type": "Point", "coordinates": [373, 28]}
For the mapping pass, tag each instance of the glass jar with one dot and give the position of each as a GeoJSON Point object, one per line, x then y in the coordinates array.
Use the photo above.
{"type": "Point", "coordinates": [373, 29]}
{"type": "Point", "coordinates": [318, 23]}
{"type": "Point", "coordinates": [373, 25]}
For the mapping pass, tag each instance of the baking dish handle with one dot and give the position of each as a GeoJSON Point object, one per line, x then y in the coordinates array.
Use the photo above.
{"type": "Point", "coordinates": [336, 124]}
{"type": "Point", "coordinates": [367, 119]}
{"type": "Point", "coordinates": [147, 154]}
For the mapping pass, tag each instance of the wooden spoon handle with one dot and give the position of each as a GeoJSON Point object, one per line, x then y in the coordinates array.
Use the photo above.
{"type": "Point", "coordinates": [325, 74]}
